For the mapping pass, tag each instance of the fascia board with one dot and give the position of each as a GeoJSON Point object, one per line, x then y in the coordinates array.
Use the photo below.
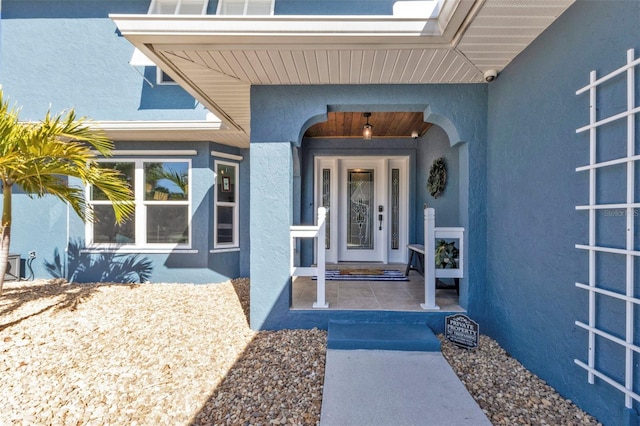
{"type": "Point", "coordinates": [160, 125]}
{"type": "Point", "coordinates": [267, 31]}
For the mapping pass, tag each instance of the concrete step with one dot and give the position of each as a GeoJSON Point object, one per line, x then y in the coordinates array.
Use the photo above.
{"type": "Point", "coordinates": [390, 336]}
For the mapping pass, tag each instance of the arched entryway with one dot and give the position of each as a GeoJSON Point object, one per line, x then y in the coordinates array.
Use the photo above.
{"type": "Point", "coordinates": [282, 176]}
{"type": "Point", "coordinates": [374, 191]}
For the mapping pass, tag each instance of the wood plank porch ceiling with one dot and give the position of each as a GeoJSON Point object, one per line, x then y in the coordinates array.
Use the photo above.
{"type": "Point", "coordinates": [385, 125]}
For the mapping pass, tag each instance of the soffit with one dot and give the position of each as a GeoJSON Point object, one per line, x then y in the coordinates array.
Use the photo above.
{"type": "Point", "coordinates": [503, 28]}
{"type": "Point", "coordinates": [217, 58]}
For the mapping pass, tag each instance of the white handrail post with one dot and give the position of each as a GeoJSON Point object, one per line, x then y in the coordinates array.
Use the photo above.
{"type": "Point", "coordinates": [292, 248]}
{"type": "Point", "coordinates": [429, 260]}
{"type": "Point", "coordinates": [320, 253]}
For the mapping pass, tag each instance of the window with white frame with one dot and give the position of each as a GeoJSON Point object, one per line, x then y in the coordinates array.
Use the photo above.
{"type": "Point", "coordinates": [167, 7]}
{"type": "Point", "coordinates": [164, 78]}
{"type": "Point", "coordinates": [162, 206]}
{"type": "Point", "coordinates": [245, 7]}
{"type": "Point", "coordinates": [178, 7]}
{"type": "Point", "coordinates": [226, 215]}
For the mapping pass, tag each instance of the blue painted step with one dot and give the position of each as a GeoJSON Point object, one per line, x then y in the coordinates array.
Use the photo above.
{"type": "Point", "coordinates": [382, 336]}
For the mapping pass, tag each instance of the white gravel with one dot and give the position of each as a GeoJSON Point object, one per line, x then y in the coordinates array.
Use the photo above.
{"type": "Point", "coordinates": [172, 354]}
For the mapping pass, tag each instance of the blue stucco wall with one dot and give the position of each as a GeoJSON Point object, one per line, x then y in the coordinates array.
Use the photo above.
{"type": "Point", "coordinates": [433, 145]}
{"type": "Point", "coordinates": [44, 225]}
{"type": "Point", "coordinates": [69, 54]}
{"type": "Point", "coordinates": [281, 114]}
{"type": "Point", "coordinates": [533, 189]}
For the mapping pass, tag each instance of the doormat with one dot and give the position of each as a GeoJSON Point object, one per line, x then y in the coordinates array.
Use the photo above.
{"type": "Point", "coordinates": [364, 275]}
{"type": "Point", "coordinates": [361, 271]}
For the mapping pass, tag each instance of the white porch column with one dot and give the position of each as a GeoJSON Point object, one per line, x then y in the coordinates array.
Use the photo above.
{"type": "Point", "coordinates": [320, 254]}
{"type": "Point", "coordinates": [429, 260]}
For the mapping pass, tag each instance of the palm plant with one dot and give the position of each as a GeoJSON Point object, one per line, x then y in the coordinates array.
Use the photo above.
{"type": "Point", "coordinates": [39, 157]}
{"type": "Point", "coordinates": [180, 179]}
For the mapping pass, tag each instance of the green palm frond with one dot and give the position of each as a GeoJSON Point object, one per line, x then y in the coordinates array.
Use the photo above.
{"type": "Point", "coordinates": [36, 155]}
{"type": "Point", "coordinates": [42, 157]}
{"type": "Point", "coordinates": [181, 180]}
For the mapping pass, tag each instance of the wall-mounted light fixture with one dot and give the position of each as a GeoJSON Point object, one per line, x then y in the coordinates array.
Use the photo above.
{"type": "Point", "coordinates": [367, 129]}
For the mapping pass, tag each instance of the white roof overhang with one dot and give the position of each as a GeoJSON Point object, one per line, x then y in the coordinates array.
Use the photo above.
{"type": "Point", "coordinates": [179, 130]}
{"type": "Point", "coordinates": [217, 58]}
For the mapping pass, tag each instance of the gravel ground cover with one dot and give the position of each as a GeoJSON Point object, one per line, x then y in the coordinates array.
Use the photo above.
{"type": "Point", "coordinates": [180, 354]}
{"type": "Point", "coordinates": [507, 392]}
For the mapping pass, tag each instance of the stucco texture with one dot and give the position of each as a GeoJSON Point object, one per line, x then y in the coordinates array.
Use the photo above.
{"type": "Point", "coordinates": [533, 188]}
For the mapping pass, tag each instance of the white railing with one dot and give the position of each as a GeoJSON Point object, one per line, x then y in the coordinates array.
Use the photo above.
{"type": "Point", "coordinates": [431, 273]}
{"type": "Point", "coordinates": [627, 256]}
{"type": "Point", "coordinates": [318, 233]}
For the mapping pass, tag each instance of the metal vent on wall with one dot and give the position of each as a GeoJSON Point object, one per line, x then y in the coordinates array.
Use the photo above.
{"type": "Point", "coordinates": [13, 268]}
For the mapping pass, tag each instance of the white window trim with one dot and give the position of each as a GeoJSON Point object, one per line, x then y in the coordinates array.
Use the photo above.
{"type": "Point", "coordinates": [141, 212]}
{"type": "Point", "coordinates": [136, 250]}
{"type": "Point", "coordinates": [227, 156]}
{"type": "Point", "coordinates": [246, 5]}
{"type": "Point", "coordinates": [160, 81]}
{"type": "Point", "coordinates": [225, 250]}
{"type": "Point", "coordinates": [145, 152]}
{"type": "Point", "coordinates": [178, 5]}
{"type": "Point", "coordinates": [235, 244]}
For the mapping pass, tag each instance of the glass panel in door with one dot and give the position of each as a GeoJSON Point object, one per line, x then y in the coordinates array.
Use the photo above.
{"type": "Point", "coordinates": [360, 223]}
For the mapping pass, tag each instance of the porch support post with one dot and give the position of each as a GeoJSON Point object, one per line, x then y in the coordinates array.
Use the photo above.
{"type": "Point", "coordinates": [429, 260]}
{"type": "Point", "coordinates": [321, 301]}
{"type": "Point", "coordinates": [271, 216]}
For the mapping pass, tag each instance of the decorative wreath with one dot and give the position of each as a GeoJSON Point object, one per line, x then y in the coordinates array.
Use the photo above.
{"type": "Point", "coordinates": [437, 177]}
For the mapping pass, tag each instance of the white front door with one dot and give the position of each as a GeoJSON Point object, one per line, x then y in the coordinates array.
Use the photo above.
{"type": "Point", "coordinates": [367, 201]}
{"type": "Point", "coordinates": [362, 209]}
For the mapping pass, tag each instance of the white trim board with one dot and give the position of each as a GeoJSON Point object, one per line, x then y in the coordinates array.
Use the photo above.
{"type": "Point", "coordinates": [226, 155]}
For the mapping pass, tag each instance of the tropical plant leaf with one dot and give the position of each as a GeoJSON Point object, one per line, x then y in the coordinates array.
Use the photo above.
{"type": "Point", "coordinates": [54, 268]}
{"type": "Point", "coordinates": [41, 157]}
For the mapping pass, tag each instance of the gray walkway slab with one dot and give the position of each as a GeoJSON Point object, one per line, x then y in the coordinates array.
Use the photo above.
{"type": "Point", "coordinates": [394, 388]}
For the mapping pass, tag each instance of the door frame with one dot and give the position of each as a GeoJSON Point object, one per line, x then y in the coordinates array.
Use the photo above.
{"type": "Point", "coordinates": [334, 165]}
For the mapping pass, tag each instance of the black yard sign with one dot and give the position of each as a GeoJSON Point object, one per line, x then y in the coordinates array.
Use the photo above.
{"type": "Point", "coordinates": [462, 330]}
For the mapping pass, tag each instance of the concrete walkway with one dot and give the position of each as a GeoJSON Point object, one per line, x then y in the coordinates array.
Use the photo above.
{"type": "Point", "coordinates": [394, 388]}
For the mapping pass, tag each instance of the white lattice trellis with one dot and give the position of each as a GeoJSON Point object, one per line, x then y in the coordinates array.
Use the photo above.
{"type": "Point", "coordinates": [628, 254]}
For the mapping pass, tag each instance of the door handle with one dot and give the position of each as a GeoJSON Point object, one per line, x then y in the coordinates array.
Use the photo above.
{"type": "Point", "coordinates": [380, 219]}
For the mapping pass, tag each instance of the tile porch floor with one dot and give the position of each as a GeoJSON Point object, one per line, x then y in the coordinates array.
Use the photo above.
{"type": "Point", "coordinates": [372, 295]}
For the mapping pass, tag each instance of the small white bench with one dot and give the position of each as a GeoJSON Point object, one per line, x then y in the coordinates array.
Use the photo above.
{"type": "Point", "coordinates": [417, 251]}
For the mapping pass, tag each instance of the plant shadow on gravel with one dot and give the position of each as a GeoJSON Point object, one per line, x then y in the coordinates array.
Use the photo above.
{"type": "Point", "coordinates": [61, 294]}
